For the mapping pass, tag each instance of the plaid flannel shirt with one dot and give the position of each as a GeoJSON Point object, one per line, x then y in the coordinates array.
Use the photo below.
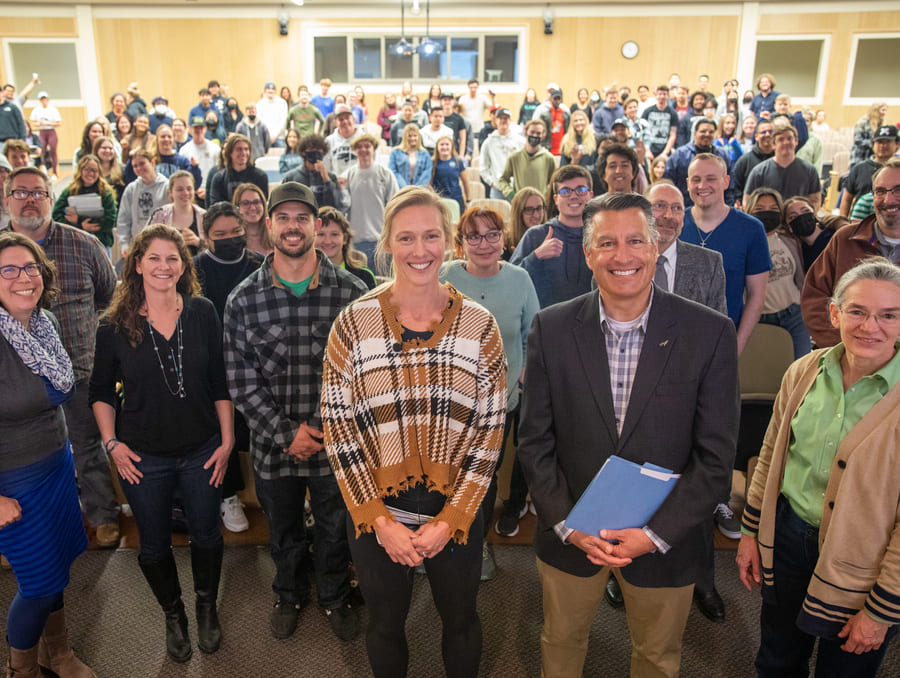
{"type": "Point", "coordinates": [87, 281]}
{"type": "Point", "coordinates": [274, 347]}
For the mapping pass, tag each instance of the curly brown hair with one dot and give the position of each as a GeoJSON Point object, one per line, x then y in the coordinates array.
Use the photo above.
{"type": "Point", "coordinates": [124, 311]}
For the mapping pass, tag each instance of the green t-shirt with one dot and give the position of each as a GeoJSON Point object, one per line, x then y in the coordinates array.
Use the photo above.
{"type": "Point", "coordinates": [297, 288]}
{"type": "Point", "coordinates": [304, 119]}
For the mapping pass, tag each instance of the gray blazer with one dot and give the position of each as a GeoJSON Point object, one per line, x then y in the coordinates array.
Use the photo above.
{"type": "Point", "coordinates": [700, 276]}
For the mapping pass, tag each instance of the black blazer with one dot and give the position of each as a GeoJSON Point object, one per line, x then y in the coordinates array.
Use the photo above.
{"type": "Point", "coordinates": [683, 415]}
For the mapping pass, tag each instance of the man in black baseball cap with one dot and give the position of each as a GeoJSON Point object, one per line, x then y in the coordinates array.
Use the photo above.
{"type": "Point", "coordinates": [885, 144]}
{"type": "Point", "coordinates": [276, 326]}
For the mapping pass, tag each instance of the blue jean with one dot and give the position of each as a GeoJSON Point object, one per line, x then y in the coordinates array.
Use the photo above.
{"type": "Point", "coordinates": [784, 649]}
{"type": "Point", "coordinates": [151, 501]}
{"type": "Point", "coordinates": [282, 501]}
{"type": "Point", "coordinates": [791, 320]}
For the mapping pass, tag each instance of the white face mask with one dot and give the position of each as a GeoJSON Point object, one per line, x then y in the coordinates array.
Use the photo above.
{"type": "Point", "coordinates": [160, 110]}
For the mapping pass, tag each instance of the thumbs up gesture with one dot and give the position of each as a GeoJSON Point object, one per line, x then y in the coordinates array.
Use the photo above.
{"type": "Point", "coordinates": [550, 248]}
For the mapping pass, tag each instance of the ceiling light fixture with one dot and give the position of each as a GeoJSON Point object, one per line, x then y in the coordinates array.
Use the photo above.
{"type": "Point", "coordinates": [427, 46]}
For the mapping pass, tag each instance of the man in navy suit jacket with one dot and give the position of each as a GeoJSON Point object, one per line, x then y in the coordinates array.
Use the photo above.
{"type": "Point", "coordinates": [635, 371]}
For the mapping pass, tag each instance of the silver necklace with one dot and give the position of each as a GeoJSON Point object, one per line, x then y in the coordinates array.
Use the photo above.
{"type": "Point", "coordinates": [702, 239]}
{"type": "Point", "coordinates": [179, 365]}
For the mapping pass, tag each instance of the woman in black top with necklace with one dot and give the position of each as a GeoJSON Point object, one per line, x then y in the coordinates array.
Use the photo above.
{"type": "Point", "coordinates": [174, 426]}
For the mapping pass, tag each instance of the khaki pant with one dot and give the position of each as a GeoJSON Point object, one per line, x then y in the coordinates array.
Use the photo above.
{"type": "Point", "coordinates": [656, 620]}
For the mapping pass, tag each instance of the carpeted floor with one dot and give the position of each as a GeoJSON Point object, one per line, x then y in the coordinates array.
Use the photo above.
{"type": "Point", "coordinates": [117, 627]}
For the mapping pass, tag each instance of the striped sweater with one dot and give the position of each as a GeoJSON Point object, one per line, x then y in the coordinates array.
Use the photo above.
{"type": "Point", "coordinates": [859, 538]}
{"type": "Point", "coordinates": [395, 414]}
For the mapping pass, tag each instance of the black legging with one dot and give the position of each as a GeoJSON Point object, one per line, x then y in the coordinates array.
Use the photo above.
{"type": "Point", "coordinates": [454, 575]}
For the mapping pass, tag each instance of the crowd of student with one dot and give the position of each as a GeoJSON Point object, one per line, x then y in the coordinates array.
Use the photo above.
{"type": "Point", "coordinates": [732, 218]}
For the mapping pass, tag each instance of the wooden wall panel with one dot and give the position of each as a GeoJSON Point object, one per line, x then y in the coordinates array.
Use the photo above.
{"type": "Point", "coordinates": [178, 56]}
{"type": "Point", "coordinates": [841, 27]}
{"type": "Point", "coordinates": [74, 119]}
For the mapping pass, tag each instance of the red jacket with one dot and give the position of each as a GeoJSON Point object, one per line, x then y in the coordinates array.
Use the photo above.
{"type": "Point", "coordinates": [847, 247]}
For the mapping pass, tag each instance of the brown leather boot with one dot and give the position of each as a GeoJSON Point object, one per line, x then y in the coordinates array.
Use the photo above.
{"type": "Point", "coordinates": [22, 663]}
{"type": "Point", "coordinates": [54, 652]}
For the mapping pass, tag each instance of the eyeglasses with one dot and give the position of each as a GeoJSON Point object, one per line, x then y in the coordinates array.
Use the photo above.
{"type": "Point", "coordinates": [662, 207]}
{"type": "Point", "coordinates": [566, 191]}
{"type": "Point", "coordinates": [24, 194]}
{"type": "Point", "coordinates": [534, 210]}
{"type": "Point", "coordinates": [493, 237]}
{"type": "Point", "coordinates": [11, 271]}
{"type": "Point", "coordinates": [884, 319]}
{"type": "Point", "coordinates": [881, 191]}
{"type": "Point", "coordinates": [250, 203]}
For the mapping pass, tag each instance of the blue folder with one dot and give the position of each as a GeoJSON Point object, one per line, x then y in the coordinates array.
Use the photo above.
{"type": "Point", "coordinates": [622, 495]}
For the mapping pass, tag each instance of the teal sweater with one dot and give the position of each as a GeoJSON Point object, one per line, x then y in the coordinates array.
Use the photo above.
{"type": "Point", "coordinates": [510, 297]}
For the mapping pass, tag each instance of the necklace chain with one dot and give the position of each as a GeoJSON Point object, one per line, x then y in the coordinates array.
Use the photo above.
{"type": "Point", "coordinates": [179, 364]}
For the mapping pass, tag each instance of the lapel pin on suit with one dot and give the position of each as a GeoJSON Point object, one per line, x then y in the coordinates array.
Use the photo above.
{"type": "Point", "coordinates": [663, 343]}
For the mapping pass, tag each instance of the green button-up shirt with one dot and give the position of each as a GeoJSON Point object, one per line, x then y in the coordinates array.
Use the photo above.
{"type": "Point", "coordinates": [820, 424]}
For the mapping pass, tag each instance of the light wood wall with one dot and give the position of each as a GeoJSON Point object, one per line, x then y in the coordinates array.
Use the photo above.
{"type": "Point", "coordinates": [841, 27]}
{"type": "Point", "coordinates": [178, 56]}
{"type": "Point", "coordinates": [73, 118]}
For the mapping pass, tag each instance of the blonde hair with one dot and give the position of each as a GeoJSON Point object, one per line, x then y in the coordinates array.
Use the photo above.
{"type": "Point", "coordinates": [411, 196]}
{"type": "Point", "coordinates": [874, 114]}
{"type": "Point", "coordinates": [588, 138]}
{"type": "Point", "coordinates": [404, 141]}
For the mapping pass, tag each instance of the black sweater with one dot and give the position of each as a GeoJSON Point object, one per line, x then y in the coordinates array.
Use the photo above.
{"type": "Point", "coordinates": [152, 420]}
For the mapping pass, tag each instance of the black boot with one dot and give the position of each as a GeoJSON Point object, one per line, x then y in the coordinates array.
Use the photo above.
{"type": "Point", "coordinates": [163, 580]}
{"type": "Point", "coordinates": [206, 564]}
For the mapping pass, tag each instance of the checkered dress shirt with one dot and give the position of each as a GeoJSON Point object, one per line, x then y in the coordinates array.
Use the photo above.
{"type": "Point", "coordinates": [274, 347]}
{"type": "Point", "coordinates": [87, 281]}
{"type": "Point", "coordinates": [623, 352]}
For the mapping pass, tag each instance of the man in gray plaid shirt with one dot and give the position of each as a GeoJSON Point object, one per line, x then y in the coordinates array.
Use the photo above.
{"type": "Point", "coordinates": [277, 323]}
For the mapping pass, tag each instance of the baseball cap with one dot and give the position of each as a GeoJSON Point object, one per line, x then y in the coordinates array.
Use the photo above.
{"type": "Point", "coordinates": [887, 132]}
{"type": "Point", "coordinates": [446, 95]}
{"type": "Point", "coordinates": [292, 191]}
{"type": "Point", "coordinates": [160, 100]}
{"type": "Point", "coordinates": [340, 109]}
{"type": "Point", "coordinates": [43, 94]}
{"type": "Point", "coordinates": [556, 93]}
{"type": "Point", "coordinates": [198, 121]}
{"type": "Point", "coordinates": [504, 111]}
{"type": "Point", "coordinates": [269, 83]}
{"type": "Point", "coordinates": [621, 121]}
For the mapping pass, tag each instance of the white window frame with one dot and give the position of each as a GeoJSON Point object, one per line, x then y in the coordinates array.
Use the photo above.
{"type": "Point", "coordinates": [311, 30]}
{"type": "Point", "coordinates": [32, 101]}
{"type": "Point", "coordinates": [851, 66]}
{"type": "Point", "coordinates": [822, 73]}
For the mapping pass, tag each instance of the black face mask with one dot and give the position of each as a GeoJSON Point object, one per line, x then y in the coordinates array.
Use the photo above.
{"type": "Point", "coordinates": [232, 106]}
{"type": "Point", "coordinates": [804, 224]}
{"type": "Point", "coordinates": [251, 117]}
{"type": "Point", "coordinates": [312, 157]}
{"type": "Point", "coordinates": [230, 249]}
{"type": "Point", "coordinates": [747, 100]}
{"type": "Point", "coordinates": [771, 219]}
{"type": "Point", "coordinates": [534, 140]}
{"type": "Point", "coordinates": [211, 124]}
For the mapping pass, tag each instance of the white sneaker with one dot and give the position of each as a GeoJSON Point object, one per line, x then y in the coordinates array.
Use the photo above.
{"type": "Point", "coordinates": [233, 517]}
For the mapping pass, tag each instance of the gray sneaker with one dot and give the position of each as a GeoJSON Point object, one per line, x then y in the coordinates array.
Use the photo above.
{"type": "Point", "coordinates": [727, 522]}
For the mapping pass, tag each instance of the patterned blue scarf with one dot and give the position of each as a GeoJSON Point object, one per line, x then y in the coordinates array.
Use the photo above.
{"type": "Point", "coordinates": [39, 348]}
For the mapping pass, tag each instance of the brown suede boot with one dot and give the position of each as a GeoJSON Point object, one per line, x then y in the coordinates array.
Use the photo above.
{"type": "Point", "coordinates": [22, 663]}
{"type": "Point", "coordinates": [54, 652]}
